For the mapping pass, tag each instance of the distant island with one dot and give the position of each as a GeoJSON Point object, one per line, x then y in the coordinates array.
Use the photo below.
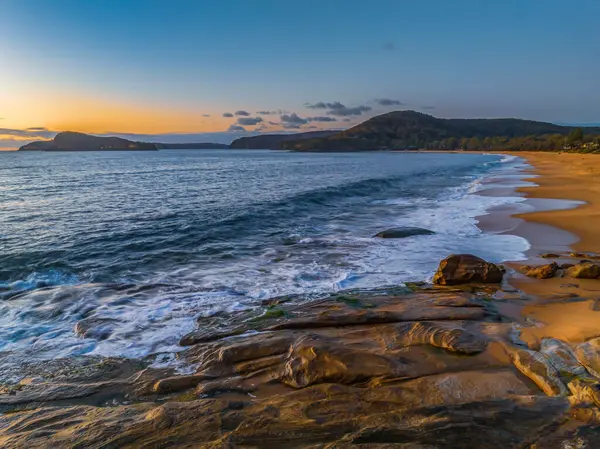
{"type": "Point", "coordinates": [400, 130]}
{"type": "Point", "coordinates": [73, 141]}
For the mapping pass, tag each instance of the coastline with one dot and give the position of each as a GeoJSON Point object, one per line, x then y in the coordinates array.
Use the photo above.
{"type": "Point", "coordinates": [559, 215]}
{"type": "Point", "coordinates": [409, 363]}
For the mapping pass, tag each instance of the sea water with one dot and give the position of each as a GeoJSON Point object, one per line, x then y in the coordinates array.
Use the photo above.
{"type": "Point", "coordinates": [148, 241]}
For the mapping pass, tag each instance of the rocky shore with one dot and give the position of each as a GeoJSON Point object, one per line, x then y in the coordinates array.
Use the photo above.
{"type": "Point", "coordinates": [487, 356]}
{"type": "Point", "coordinates": [418, 365]}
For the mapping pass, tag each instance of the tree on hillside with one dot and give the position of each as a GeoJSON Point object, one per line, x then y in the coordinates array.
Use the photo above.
{"type": "Point", "coordinates": [575, 136]}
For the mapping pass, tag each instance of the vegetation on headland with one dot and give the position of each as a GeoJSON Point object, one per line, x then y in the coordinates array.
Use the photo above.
{"type": "Point", "coordinates": [400, 130]}
{"type": "Point", "coordinates": [73, 141]}
{"type": "Point", "coordinates": [405, 130]}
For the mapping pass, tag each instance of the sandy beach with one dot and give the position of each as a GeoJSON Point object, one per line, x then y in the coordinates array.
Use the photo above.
{"type": "Point", "coordinates": [570, 177]}
{"type": "Point", "coordinates": [559, 307]}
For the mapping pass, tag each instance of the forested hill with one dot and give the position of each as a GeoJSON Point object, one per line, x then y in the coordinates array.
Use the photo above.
{"type": "Point", "coordinates": [275, 141]}
{"type": "Point", "coordinates": [410, 129]}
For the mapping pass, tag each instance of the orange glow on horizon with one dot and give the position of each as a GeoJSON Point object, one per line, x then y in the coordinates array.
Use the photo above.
{"type": "Point", "coordinates": [25, 108]}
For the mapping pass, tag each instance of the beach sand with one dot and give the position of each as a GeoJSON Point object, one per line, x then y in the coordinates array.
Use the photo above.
{"type": "Point", "coordinates": [564, 308]}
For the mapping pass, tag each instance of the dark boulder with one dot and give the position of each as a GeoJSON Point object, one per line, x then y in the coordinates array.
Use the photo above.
{"type": "Point", "coordinates": [543, 271]}
{"type": "Point", "coordinates": [584, 271]}
{"type": "Point", "coordinates": [402, 232]}
{"type": "Point", "coordinates": [466, 268]}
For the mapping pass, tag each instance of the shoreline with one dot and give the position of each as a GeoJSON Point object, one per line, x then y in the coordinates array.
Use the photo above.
{"type": "Point", "coordinates": [558, 216]}
{"type": "Point", "coordinates": [410, 363]}
{"type": "Point", "coordinates": [562, 198]}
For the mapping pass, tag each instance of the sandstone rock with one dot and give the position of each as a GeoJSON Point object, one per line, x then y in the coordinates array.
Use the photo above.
{"type": "Point", "coordinates": [585, 391]}
{"type": "Point", "coordinates": [402, 232]}
{"type": "Point", "coordinates": [314, 359]}
{"type": "Point", "coordinates": [584, 271]}
{"type": "Point", "coordinates": [588, 354]}
{"type": "Point", "coordinates": [466, 268]}
{"type": "Point", "coordinates": [543, 271]}
{"type": "Point", "coordinates": [535, 366]}
{"type": "Point", "coordinates": [177, 383]}
{"type": "Point", "coordinates": [549, 256]}
{"type": "Point", "coordinates": [562, 357]}
{"type": "Point", "coordinates": [448, 337]}
{"type": "Point", "coordinates": [566, 266]}
{"type": "Point", "coordinates": [97, 328]}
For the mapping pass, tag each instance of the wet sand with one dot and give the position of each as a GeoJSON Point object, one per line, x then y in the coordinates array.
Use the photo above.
{"type": "Point", "coordinates": [561, 215]}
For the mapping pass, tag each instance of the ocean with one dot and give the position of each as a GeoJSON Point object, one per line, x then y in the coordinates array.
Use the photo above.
{"type": "Point", "coordinates": [146, 242]}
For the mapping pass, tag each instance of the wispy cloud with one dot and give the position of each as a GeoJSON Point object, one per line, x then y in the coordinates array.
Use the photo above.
{"type": "Point", "coordinates": [249, 121]}
{"type": "Point", "coordinates": [242, 113]}
{"type": "Point", "coordinates": [227, 114]}
{"type": "Point", "coordinates": [388, 102]}
{"type": "Point", "coordinates": [205, 115]}
{"type": "Point", "coordinates": [266, 112]}
{"type": "Point", "coordinates": [338, 109]}
{"type": "Point", "coordinates": [321, 119]}
{"type": "Point", "coordinates": [236, 128]}
{"type": "Point", "coordinates": [293, 119]}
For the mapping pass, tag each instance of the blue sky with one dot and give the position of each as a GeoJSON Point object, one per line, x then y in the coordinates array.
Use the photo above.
{"type": "Point", "coordinates": [162, 67]}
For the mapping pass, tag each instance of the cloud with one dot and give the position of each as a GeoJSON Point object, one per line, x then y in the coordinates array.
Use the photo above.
{"type": "Point", "coordinates": [428, 108]}
{"type": "Point", "coordinates": [339, 109]}
{"type": "Point", "coordinates": [343, 112]}
{"type": "Point", "coordinates": [242, 113]}
{"type": "Point", "coordinates": [389, 46]}
{"type": "Point", "coordinates": [388, 102]}
{"type": "Point", "coordinates": [293, 119]}
{"type": "Point", "coordinates": [266, 112]}
{"type": "Point", "coordinates": [321, 119]}
{"type": "Point", "coordinates": [228, 114]}
{"type": "Point", "coordinates": [249, 121]}
{"type": "Point", "coordinates": [274, 123]}
{"type": "Point", "coordinates": [347, 120]}
{"type": "Point", "coordinates": [205, 115]}
{"type": "Point", "coordinates": [28, 133]}
{"type": "Point", "coordinates": [236, 128]}
{"type": "Point", "coordinates": [323, 105]}
{"type": "Point", "coordinates": [12, 138]}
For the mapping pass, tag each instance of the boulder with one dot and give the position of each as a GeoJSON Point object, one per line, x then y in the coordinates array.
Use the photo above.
{"type": "Point", "coordinates": [402, 232]}
{"type": "Point", "coordinates": [549, 256]}
{"type": "Point", "coordinates": [96, 328]}
{"type": "Point", "coordinates": [584, 271]}
{"type": "Point", "coordinates": [466, 268]}
{"type": "Point", "coordinates": [543, 271]}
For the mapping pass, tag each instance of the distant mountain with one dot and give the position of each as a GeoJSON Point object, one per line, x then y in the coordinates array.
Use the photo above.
{"type": "Point", "coordinates": [191, 146]}
{"type": "Point", "coordinates": [410, 129]}
{"type": "Point", "coordinates": [275, 141]}
{"type": "Point", "coordinates": [72, 141]}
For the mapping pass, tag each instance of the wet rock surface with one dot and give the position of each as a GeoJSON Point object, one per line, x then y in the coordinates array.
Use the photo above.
{"type": "Point", "coordinates": [466, 268]}
{"type": "Point", "coordinates": [417, 366]}
{"type": "Point", "coordinates": [543, 271]}
{"type": "Point", "coordinates": [402, 232]}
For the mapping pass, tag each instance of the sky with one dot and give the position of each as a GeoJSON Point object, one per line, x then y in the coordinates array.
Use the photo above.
{"type": "Point", "coordinates": [188, 70]}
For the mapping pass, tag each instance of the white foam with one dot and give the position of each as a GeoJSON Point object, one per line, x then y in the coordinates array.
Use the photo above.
{"type": "Point", "coordinates": [41, 324]}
